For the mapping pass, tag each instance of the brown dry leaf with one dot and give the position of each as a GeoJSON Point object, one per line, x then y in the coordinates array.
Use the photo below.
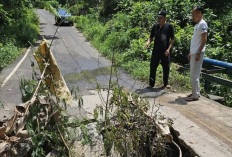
{"type": "Point", "coordinates": [21, 124]}
{"type": "Point", "coordinates": [18, 118]}
{"type": "Point", "coordinates": [13, 139]}
{"type": "Point", "coordinates": [163, 127]}
{"type": "Point", "coordinates": [7, 144]}
{"type": "Point", "coordinates": [14, 151]}
{"type": "Point", "coordinates": [4, 146]}
{"type": "Point", "coordinates": [2, 132]}
{"type": "Point", "coordinates": [42, 116]}
{"type": "Point", "coordinates": [169, 138]}
{"type": "Point", "coordinates": [11, 124]}
{"type": "Point", "coordinates": [2, 127]}
{"type": "Point", "coordinates": [45, 110]}
{"type": "Point", "coordinates": [56, 115]}
{"type": "Point", "coordinates": [22, 134]}
{"type": "Point", "coordinates": [53, 76]}
{"type": "Point", "coordinates": [43, 100]}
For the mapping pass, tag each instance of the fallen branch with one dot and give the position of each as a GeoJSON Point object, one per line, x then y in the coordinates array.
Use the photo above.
{"type": "Point", "coordinates": [12, 132]}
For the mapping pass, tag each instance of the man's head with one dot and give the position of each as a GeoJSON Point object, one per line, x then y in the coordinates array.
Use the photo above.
{"type": "Point", "coordinates": [162, 17]}
{"type": "Point", "coordinates": [197, 13]}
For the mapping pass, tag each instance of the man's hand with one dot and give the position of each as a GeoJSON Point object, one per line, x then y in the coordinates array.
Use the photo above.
{"type": "Point", "coordinates": [148, 42]}
{"type": "Point", "coordinates": [197, 58]}
{"type": "Point", "coordinates": [189, 57]}
{"type": "Point", "coordinates": [167, 52]}
{"type": "Point", "coordinates": [203, 41]}
{"type": "Point", "coordinates": [146, 45]}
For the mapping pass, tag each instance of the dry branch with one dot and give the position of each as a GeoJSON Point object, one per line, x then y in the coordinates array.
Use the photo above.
{"type": "Point", "coordinates": [13, 131]}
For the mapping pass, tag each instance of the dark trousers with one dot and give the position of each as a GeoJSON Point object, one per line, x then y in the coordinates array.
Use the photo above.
{"type": "Point", "coordinates": [155, 61]}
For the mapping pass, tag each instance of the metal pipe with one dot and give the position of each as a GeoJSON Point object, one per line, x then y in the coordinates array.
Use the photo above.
{"type": "Point", "coordinates": [218, 63]}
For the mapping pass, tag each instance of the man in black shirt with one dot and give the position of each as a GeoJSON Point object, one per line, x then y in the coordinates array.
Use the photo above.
{"type": "Point", "coordinates": [163, 35]}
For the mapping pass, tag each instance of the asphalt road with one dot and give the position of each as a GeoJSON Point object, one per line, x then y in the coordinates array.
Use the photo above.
{"type": "Point", "coordinates": [81, 65]}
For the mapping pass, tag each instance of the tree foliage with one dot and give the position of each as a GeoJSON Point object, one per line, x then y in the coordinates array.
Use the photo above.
{"type": "Point", "coordinates": [18, 25]}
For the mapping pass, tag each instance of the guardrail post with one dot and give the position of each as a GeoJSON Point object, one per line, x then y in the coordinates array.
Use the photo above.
{"type": "Point", "coordinates": [207, 85]}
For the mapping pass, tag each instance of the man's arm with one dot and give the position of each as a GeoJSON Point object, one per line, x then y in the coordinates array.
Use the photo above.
{"type": "Point", "coordinates": [203, 42]}
{"type": "Point", "coordinates": [150, 38]}
{"type": "Point", "coordinates": [169, 48]}
{"type": "Point", "coordinates": [148, 42]}
{"type": "Point", "coordinates": [171, 33]}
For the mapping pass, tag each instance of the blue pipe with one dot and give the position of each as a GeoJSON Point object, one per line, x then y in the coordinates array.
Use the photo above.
{"type": "Point", "coordinates": [218, 63]}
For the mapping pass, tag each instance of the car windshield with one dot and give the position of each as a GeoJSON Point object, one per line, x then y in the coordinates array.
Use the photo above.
{"type": "Point", "coordinates": [63, 12]}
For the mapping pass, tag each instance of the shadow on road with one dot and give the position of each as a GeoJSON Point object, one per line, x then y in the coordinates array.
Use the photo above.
{"type": "Point", "coordinates": [147, 90]}
{"type": "Point", "coordinates": [63, 25]}
{"type": "Point", "coordinates": [48, 37]}
{"type": "Point", "coordinates": [150, 92]}
{"type": "Point", "coordinates": [180, 101]}
{"type": "Point", "coordinates": [42, 23]}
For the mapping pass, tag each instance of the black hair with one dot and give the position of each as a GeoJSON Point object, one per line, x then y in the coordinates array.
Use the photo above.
{"type": "Point", "coordinates": [199, 8]}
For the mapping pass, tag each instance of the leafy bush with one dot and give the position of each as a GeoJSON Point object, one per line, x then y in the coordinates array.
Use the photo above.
{"type": "Point", "coordinates": [42, 4]}
{"type": "Point", "coordinates": [19, 24]}
{"type": "Point", "coordinates": [178, 78]}
{"type": "Point", "coordinates": [27, 23]}
{"type": "Point", "coordinates": [76, 9]}
{"type": "Point", "coordinates": [137, 51]}
{"type": "Point", "coordinates": [4, 20]}
{"type": "Point", "coordinates": [8, 53]}
{"type": "Point", "coordinates": [182, 43]}
{"type": "Point", "coordinates": [142, 14]}
{"type": "Point", "coordinates": [223, 91]}
{"type": "Point", "coordinates": [117, 41]}
{"type": "Point", "coordinates": [54, 4]}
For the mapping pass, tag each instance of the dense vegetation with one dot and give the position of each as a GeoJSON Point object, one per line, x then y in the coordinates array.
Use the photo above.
{"type": "Point", "coordinates": [18, 25]}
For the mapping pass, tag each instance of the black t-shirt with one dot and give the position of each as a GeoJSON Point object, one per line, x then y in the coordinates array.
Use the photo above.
{"type": "Point", "coordinates": [162, 36]}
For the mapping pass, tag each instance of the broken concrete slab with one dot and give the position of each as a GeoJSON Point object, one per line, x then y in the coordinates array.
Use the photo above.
{"type": "Point", "coordinates": [204, 125]}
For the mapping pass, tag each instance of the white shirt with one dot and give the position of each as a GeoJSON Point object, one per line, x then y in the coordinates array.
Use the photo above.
{"type": "Point", "coordinates": [199, 29]}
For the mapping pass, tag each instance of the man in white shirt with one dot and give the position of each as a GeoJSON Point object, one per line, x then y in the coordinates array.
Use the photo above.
{"type": "Point", "coordinates": [197, 49]}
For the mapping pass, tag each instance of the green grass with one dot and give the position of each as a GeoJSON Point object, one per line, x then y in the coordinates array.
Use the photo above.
{"type": "Point", "coordinates": [8, 53]}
